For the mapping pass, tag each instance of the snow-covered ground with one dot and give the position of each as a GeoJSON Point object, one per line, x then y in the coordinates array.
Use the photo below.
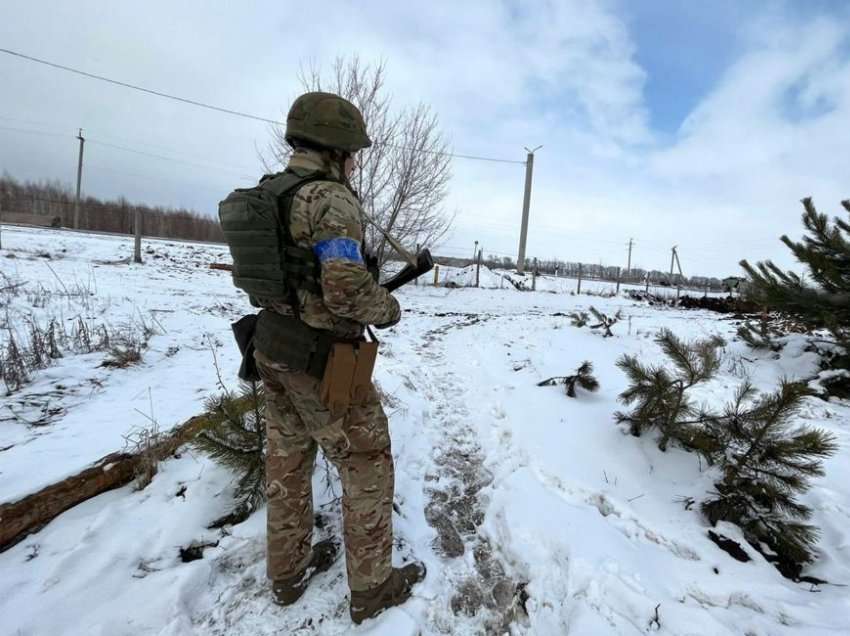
{"type": "Point", "coordinates": [511, 493]}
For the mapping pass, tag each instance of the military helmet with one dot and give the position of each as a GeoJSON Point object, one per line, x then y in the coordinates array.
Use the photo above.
{"type": "Point", "coordinates": [327, 120]}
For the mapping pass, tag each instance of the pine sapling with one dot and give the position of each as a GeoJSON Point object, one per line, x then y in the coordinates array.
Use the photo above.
{"type": "Point", "coordinates": [605, 322]}
{"type": "Point", "coordinates": [766, 463]}
{"type": "Point", "coordinates": [237, 440]}
{"type": "Point", "coordinates": [579, 319]}
{"type": "Point", "coordinates": [821, 297]}
{"type": "Point", "coordinates": [583, 378]}
{"type": "Point", "coordinates": [660, 396]}
{"type": "Point", "coordinates": [761, 336]}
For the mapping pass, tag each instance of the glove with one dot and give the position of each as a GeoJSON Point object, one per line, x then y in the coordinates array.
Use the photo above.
{"type": "Point", "coordinates": [387, 325]}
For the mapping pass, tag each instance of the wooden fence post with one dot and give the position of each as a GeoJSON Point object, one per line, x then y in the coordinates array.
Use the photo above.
{"type": "Point", "coordinates": [578, 285]}
{"type": "Point", "coordinates": [137, 227]}
{"type": "Point", "coordinates": [478, 269]}
{"type": "Point", "coordinates": [436, 275]}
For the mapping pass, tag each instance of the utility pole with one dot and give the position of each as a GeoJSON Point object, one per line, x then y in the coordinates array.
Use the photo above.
{"type": "Point", "coordinates": [79, 180]}
{"type": "Point", "coordinates": [475, 252]}
{"type": "Point", "coordinates": [629, 265]}
{"type": "Point", "coordinates": [672, 261]}
{"type": "Point", "coordinates": [478, 267]}
{"type": "Point", "coordinates": [526, 204]}
{"type": "Point", "coordinates": [137, 230]}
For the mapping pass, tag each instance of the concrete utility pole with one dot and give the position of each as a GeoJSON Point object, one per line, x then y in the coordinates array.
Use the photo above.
{"type": "Point", "coordinates": [79, 180]}
{"type": "Point", "coordinates": [526, 203]}
{"type": "Point", "coordinates": [629, 265]}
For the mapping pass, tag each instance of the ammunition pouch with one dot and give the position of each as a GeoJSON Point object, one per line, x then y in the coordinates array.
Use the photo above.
{"type": "Point", "coordinates": [348, 375]}
{"type": "Point", "coordinates": [344, 366]}
{"type": "Point", "coordinates": [289, 341]}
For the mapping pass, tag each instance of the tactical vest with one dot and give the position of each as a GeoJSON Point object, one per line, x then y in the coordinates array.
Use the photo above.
{"type": "Point", "coordinates": [266, 261]}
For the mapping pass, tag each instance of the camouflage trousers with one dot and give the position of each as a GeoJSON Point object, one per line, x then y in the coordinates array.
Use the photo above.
{"type": "Point", "coordinates": [358, 444]}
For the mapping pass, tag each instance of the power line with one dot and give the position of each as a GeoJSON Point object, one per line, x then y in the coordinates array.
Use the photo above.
{"type": "Point", "coordinates": [236, 170]}
{"type": "Point", "coordinates": [220, 109]}
{"type": "Point", "coordinates": [137, 88]}
{"type": "Point", "coordinates": [34, 132]}
{"type": "Point", "coordinates": [167, 158]}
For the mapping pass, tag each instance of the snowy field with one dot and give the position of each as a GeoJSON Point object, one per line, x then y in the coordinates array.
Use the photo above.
{"type": "Point", "coordinates": [535, 513]}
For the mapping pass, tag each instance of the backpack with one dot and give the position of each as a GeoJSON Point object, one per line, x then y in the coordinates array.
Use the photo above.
{"type": "Point", "coordinates": [255, 221]}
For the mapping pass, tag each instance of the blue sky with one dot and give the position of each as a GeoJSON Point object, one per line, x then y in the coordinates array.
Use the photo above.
{"type": "Point", "coordinates": [685, 47]}
{"type": "Point", "coordinates": [699, 124]}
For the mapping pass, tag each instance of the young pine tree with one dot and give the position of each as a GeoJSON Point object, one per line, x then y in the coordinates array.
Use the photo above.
{"type": "Point", "coordinates": [582, 378]}
{"type": "Point", "coordinates": [825, 301]}
{"type": "Point", "coordinates": [659, 394]}
{"type": "Point", "coordinates": [761, 336]}
{"type": "Point", "coordinates": [605, 322]}
{"type": "Point", "coordinates": [238, 442]}
{"type": "Point", "coordinates": [766, 463]}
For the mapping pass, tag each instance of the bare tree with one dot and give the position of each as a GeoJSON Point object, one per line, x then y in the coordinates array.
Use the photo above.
{"type": "Point", "coordinates": [403, 179]}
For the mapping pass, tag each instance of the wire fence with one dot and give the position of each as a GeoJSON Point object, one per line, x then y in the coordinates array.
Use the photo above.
{"type": "Point", "coordinates": [51, 206]}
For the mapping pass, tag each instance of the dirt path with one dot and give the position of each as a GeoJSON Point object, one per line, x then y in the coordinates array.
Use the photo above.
{"type": "Point", "coordinates": [457, 493]}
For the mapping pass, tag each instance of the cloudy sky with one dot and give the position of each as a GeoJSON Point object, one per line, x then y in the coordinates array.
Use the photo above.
{"type": "Point", "coordinates": [697, 124]}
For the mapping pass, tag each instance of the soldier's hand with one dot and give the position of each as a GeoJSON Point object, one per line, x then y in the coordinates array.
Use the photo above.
{"type": "Point", "coordinates": [387, 325]}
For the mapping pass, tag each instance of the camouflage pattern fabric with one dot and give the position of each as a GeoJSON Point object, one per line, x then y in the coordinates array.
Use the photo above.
{"type": "Point", "coordinates": [358, 444]}
{"type": "Point", "coordinates": [326, 217]}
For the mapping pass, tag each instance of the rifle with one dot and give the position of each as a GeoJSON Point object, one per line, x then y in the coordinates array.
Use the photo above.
{"type": "Point", "coordinates": [417, 265]}
{"type": "Point", "coordinates": [422, 264]}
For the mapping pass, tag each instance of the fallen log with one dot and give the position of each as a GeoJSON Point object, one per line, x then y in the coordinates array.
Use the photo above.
{"type": "Point", "coordinates": [30, 514]}
{"type": "Point", "coordinates": [227, 267]}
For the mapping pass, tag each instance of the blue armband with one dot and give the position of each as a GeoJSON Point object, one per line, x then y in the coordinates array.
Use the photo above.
{"type": "Point", "coordinates": [338, 249]}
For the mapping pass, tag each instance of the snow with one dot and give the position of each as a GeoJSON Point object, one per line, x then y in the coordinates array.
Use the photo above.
{"type": "Point", "coordinates": [587, 518]}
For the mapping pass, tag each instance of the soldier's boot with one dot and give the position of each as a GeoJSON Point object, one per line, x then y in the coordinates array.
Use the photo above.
{"type": "Point", "coordinates": [289, 590]}
{"type": "Point", "coordinates": [394, 591]}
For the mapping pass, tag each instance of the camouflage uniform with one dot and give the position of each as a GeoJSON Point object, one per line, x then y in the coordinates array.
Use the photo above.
{"type": "Point", "coordinates": [326, 217]}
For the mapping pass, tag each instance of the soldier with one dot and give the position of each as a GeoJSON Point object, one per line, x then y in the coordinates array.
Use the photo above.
{"type": "Point", "coordinates": [336, 297]}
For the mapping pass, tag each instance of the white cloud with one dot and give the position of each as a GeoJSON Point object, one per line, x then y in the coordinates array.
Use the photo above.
{"type": "Point", "coordinates": [500, 75]}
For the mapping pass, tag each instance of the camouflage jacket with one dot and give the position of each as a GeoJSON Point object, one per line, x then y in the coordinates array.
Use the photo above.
{"type": "Point", "coordinates": [326, 217]}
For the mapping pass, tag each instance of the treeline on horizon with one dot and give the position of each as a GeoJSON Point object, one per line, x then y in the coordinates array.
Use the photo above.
{"type": "Point", "coordinates": [53, 203]}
